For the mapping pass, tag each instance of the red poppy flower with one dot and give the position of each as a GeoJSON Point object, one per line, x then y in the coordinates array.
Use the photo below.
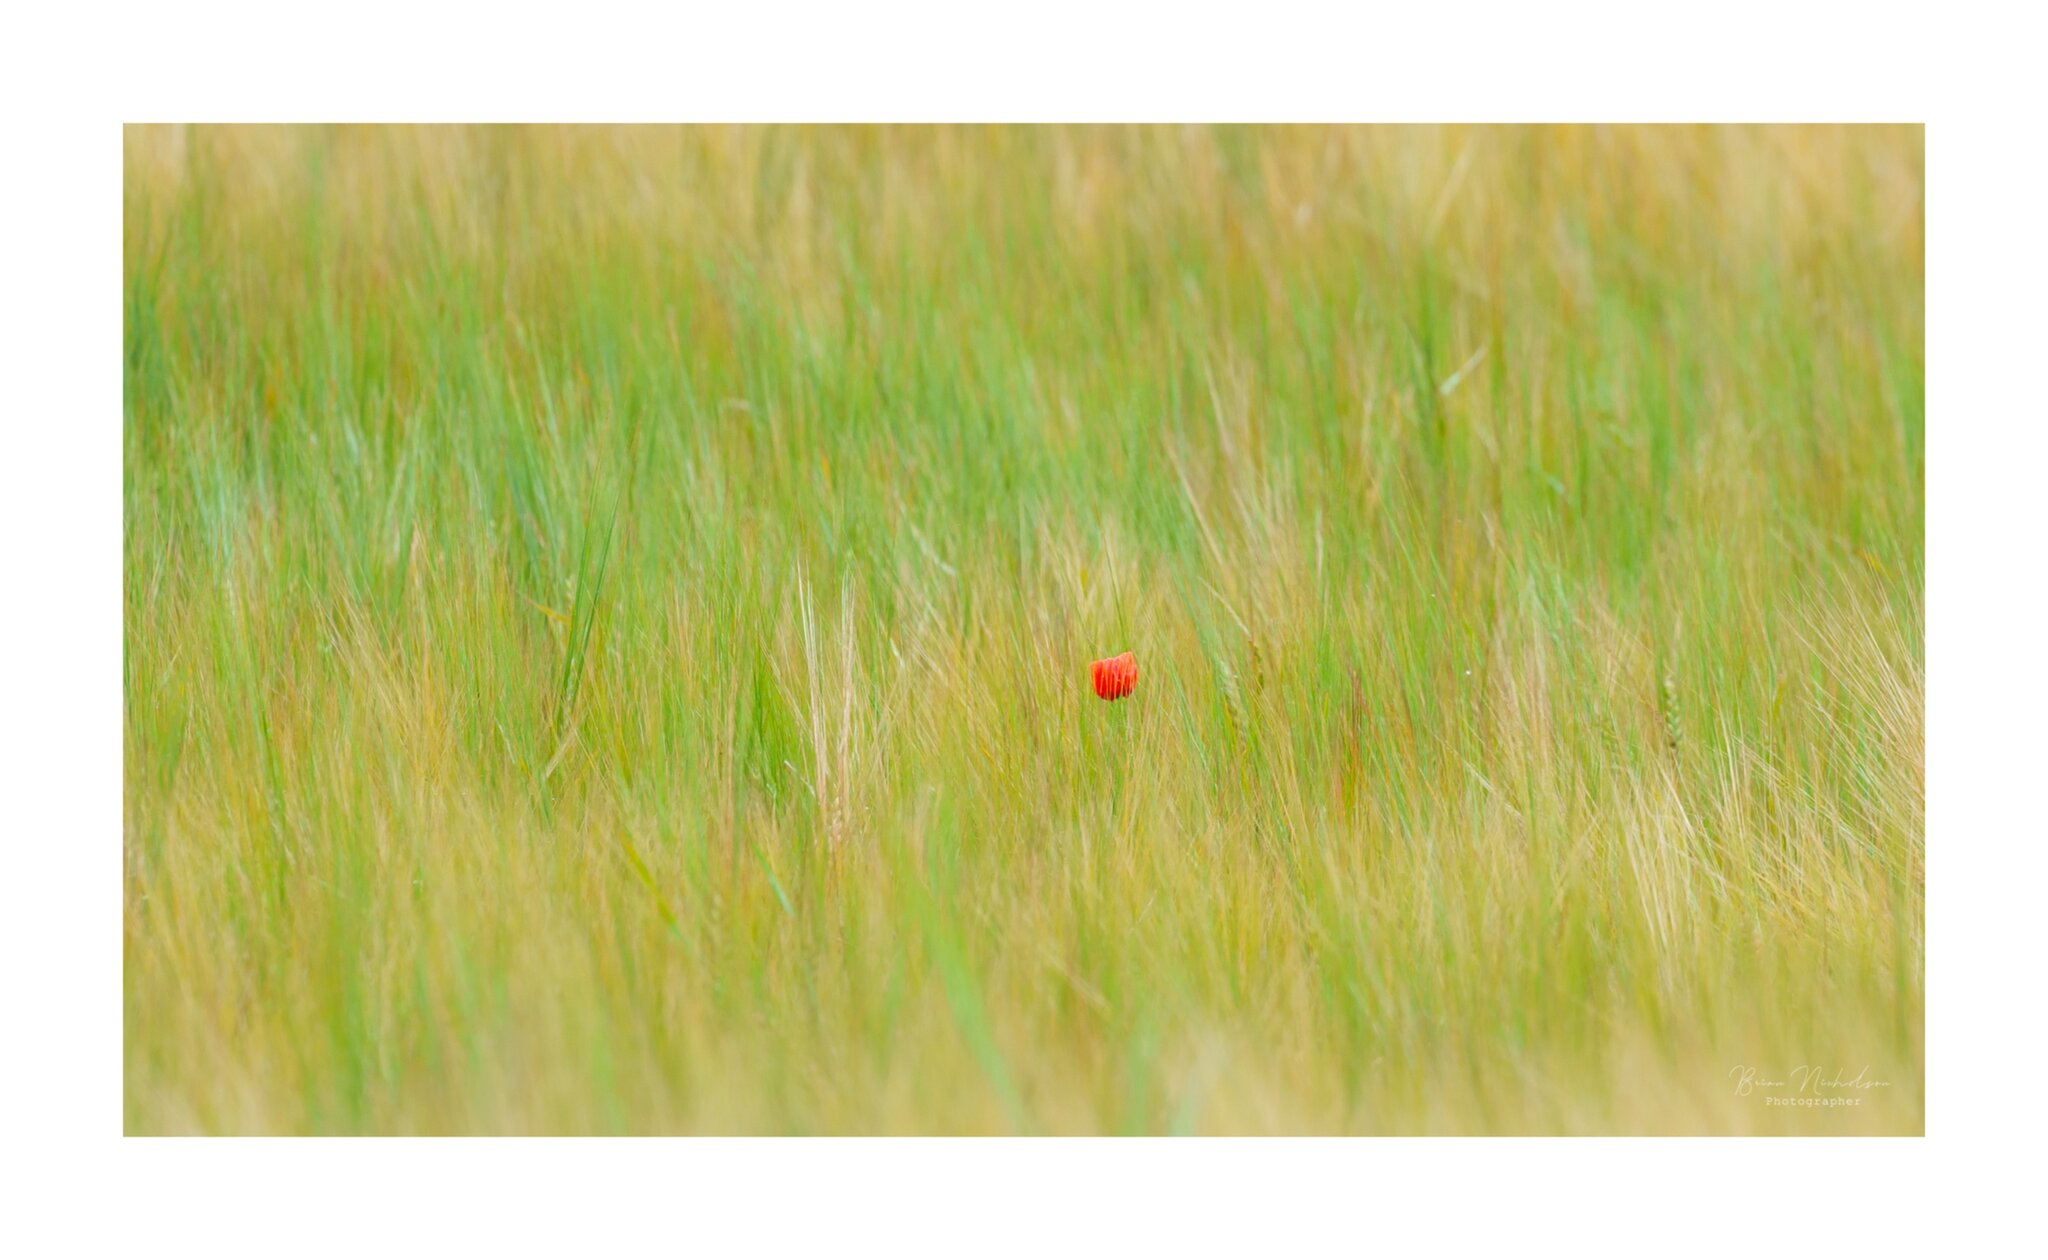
{"type": "Point", "coordinates": [1115, 677]}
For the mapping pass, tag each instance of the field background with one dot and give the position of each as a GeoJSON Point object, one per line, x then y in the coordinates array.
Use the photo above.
{"type": "Point", "coordinates": [608, 616]}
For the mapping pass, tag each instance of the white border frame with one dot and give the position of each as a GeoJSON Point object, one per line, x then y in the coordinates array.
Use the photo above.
{"type": "Point", "coordinates": [60, 819]}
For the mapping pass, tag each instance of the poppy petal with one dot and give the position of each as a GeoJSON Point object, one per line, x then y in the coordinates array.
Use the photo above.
{"type": "Point", "coordinates": [1114, 677]}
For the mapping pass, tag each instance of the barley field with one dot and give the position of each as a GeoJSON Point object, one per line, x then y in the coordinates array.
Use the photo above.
{"type": "Point", "coordinates": [609, 612]}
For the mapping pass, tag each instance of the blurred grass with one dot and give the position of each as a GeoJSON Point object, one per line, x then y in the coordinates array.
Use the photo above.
{"type": "Point", "coordinates": [608, 613]}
